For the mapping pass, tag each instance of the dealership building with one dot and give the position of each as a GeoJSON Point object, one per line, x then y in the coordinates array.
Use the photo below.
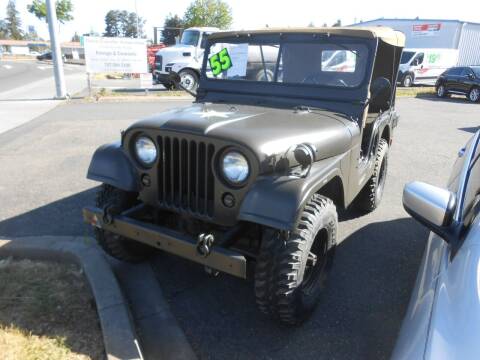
{"type": "Point", "coordinates": [434, 33]}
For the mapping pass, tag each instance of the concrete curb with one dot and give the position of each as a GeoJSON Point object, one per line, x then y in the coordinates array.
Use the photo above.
{"type": "Point", "coordinates": [161, 335]}
{"type": "Point", "coordinates": [118, 330]}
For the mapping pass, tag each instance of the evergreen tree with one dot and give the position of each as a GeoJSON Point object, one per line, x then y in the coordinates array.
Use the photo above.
{"type": "Point", "coordinates": [171, 29]}
{"type": "Point", "coordinates": [12, 22]}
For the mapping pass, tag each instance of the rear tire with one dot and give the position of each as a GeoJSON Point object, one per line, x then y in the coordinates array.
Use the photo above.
{"type": "Point", "coordinates": [372, 193]}
{"type": "Point", "coordinates": [474, 94]}
{"type": "Point", "coordinates": [288, 280]}
{"type": "Point", "coordinates": [115, 245]}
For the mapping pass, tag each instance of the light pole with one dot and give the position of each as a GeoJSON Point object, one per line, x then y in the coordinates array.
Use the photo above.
{"type": "Point", "coordinates": [136, 15]}
{"type": "Point", "coordinates": [56, 52]}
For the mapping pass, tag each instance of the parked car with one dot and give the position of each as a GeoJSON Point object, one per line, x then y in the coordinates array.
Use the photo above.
{"type": "Point", "coordinates": [48, 56]}
{"type": "Point", "coordinates": [248, 179]}
{"type": "Point", "coordinates": [423, 66]}
{"type": "Point", "coordinates": [443, 317]}
{"type": "Point", "coordinates": [463, 80]}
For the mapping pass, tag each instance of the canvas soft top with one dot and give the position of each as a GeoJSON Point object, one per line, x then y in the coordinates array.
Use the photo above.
{"type": "Point", "coordinates": [386, 34]}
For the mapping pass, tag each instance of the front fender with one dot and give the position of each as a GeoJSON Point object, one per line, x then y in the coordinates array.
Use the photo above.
{"type": "Point", "coordinates": [277, 201]}
{"type": "Point", "coordinates": [111, 166]}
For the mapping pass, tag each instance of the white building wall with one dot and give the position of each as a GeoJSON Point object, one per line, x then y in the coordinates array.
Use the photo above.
{"type": "Point", "coordinates": [469, 45]}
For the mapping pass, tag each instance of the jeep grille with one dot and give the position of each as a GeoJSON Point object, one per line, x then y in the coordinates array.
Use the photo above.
{"type": "Point", "coordinates": [186, 181]}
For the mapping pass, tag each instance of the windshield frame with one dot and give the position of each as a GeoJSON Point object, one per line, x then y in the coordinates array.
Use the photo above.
{"type": "Point", "coordinates": [358, 93]}
{"type": "Point", "coordinates": [191, 31]}
{"type": "Point", "coordinates": [476, 71]}
{"type": "Point", "coordinates": [409, 59]}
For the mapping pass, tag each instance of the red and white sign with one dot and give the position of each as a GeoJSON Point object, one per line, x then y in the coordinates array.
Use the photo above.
{"type": "Point", "coordinates": [426, 29]}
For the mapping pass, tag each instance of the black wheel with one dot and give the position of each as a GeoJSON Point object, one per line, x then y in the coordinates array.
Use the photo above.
{"type": "Point", "coordinates": [441, 92]}
{"type": "Point", "coordinates": [372, 193]}
{"type": "Point", "coordinates": [115, 245]}
{"type": "Point", "coordinates": [407, 80]}
{"type": "Point", "coordinates": [474, 94]}
{"type": "Point", "coordinates": [291, 269]}
{"type": "Point", "coordinates": [189, 79]}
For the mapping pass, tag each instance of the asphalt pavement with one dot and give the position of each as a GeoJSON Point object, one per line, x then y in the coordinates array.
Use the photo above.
{"type": "Point", "coordinates": [43, 188]}
{"type": "Point", "coordinates": [27, 89]}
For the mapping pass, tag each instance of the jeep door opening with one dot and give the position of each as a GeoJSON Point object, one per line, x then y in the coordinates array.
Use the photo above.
{"type": "Point", "coordinates": [287, 126]}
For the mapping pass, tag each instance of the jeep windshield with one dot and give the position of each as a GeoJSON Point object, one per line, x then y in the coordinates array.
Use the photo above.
{"type": "Point", "coordinates": [333, 61]}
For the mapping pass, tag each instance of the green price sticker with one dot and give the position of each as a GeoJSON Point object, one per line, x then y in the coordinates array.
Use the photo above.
{"type": "Point", "coordinates": [220, 62]}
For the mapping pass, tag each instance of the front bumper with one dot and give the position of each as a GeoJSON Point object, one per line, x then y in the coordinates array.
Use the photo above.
{"type": "Point", "coordinates": [165, 239]}
{"type": "Point", "coordinates": [162, 77]}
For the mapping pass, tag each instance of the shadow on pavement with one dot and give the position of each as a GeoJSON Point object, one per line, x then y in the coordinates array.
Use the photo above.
{"type": "Point", "coordinates": [358, 317]}
{"type": "Point", "coordinates": [472, 129]}
{"type": "Point", "coordinates": [62, 217]}
{"type": "Point", "coordinates": [452, 99]}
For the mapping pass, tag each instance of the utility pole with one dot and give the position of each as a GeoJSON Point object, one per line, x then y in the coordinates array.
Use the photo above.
{"type": "Point", "coordinates": [136, 15]}
{"type": "Point", "coordinates": [56, 52]}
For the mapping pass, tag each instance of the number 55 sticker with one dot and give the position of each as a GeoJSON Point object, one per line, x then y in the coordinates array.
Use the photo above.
{"type": "Point", "coordinates": [220, 62]}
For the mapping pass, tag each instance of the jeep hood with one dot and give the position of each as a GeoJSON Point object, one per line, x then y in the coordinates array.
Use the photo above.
{"type": "Point", "coordinates": [263, 130]}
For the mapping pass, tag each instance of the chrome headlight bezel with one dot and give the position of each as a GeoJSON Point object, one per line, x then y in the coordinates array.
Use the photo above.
{"type": "Point", "coordinates": [234, 155]}
{"type": "Point", "coordinates": [145, 157]}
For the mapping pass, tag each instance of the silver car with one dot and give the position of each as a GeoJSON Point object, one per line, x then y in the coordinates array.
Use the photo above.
{"type": "Point", "coordinates": [443, 317]}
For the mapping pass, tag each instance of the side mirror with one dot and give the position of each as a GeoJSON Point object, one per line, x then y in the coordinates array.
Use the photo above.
{"type": "Point", "coordinates": [430, 205]}
{"type": "Point", "coordinates": [471, 76]}
{"type": "Point", "coordinates": [380, 93]}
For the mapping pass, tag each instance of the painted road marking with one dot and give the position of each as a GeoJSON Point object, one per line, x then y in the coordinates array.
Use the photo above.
{"type": "Point", "coordinates": [8, 67]}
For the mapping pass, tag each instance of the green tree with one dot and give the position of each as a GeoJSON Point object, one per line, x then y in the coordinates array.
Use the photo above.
{"type": "Point", "coordinates": [338, 23]}
{"type": "Point", "coordinates": [113, 25]}
{"type": "Point", "coordinates": [208, 13]}
{"type": "Point", "coordinates": [75, 37]}
{"type": "Point", "coordinates": [171, 29]}
{"type": "Point", "coordinates": [3, 29]}
{"type": "Point", "coordinates": [132, 25]}
{"type": "Point", "coordinates": [63, 9]}
{"type": "Point", "coordinates": [123, 23]}
{"type": "Point", "coordinates": [13, 24]}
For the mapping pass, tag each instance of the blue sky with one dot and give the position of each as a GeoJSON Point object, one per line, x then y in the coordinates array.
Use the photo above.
{"type": "Point", "coordinates": [90, 14]}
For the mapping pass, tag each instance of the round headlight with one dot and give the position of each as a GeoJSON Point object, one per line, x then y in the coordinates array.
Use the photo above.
{"type": "Point", "coordinates": [145, 150]}
{"type": "Point", "coordinates": [235, 167]}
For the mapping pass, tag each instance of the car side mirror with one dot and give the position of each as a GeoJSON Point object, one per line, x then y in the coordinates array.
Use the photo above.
{"type": "Point", "coordinates": [471, 76]}
{"type": "Point", "coordinates": [432, 206]}
{"type": "Point", "coordinates": [380, 93]}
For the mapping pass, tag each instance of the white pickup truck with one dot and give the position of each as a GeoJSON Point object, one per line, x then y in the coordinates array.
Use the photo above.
{"type": "Point", "coordinates": [185, 58]}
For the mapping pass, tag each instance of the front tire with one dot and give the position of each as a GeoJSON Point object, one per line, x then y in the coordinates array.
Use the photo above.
{"type": "Point", "coordinates": [115, 245]}
{"type": "Point", "coordinates": [441, 92]}
{"type": "Point", "coordinates": [291, 269]}
{"type": "Point", "coordinates": [474, 94]}
{"type": "Point", "coordinates": [189, 79]}
{"type": "Point", "coordinates": [407, 80]}
{"type": "Point", "coordinates": [372, 193]}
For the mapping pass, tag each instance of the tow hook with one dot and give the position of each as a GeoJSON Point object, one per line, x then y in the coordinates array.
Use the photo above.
{"type": "Point", "coordinates": [108, 213]}
{"type": "Point", "coordinates": [204, 244]}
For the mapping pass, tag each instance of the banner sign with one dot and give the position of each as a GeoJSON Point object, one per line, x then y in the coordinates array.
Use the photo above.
{"type": "Point", "coordinates": [113, 54]}
{"type": "Point", "coordinates": [421, 30]}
